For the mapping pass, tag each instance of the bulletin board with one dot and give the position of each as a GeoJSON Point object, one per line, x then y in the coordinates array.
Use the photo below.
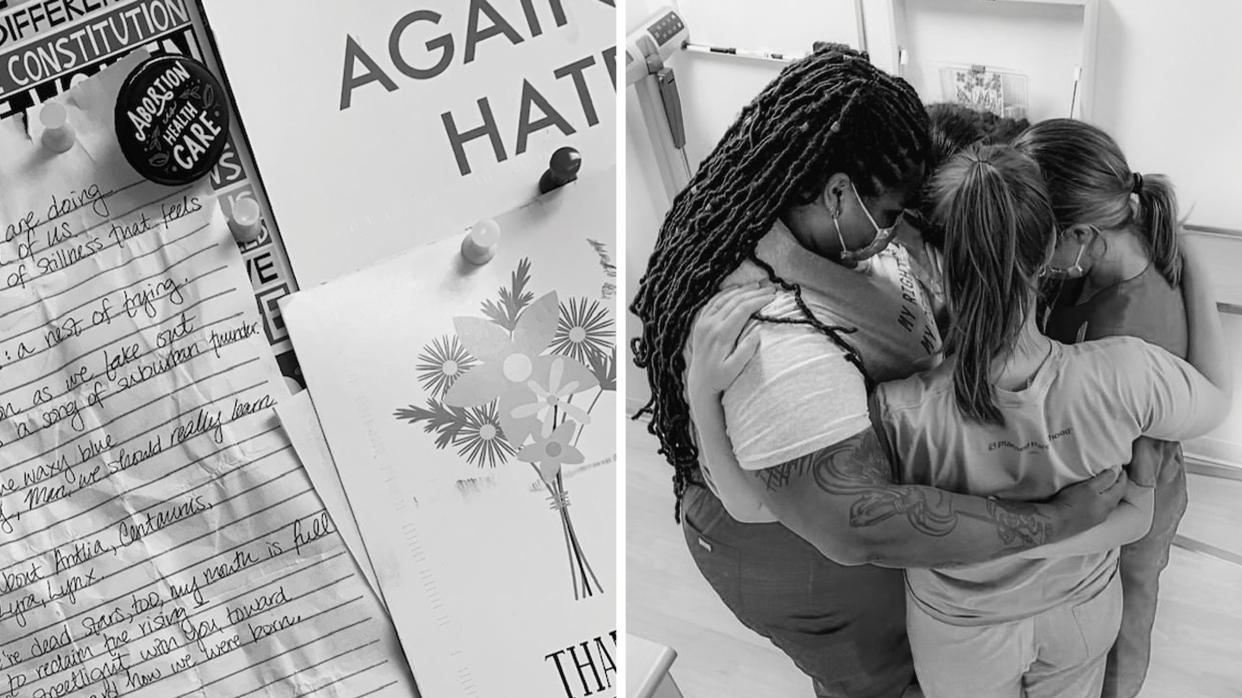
{"type": "Point", "coordinates": [44, 53]}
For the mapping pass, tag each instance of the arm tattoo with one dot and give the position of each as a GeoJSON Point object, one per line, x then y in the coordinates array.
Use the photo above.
{"type": "Point", "coordinates": [859, 468]}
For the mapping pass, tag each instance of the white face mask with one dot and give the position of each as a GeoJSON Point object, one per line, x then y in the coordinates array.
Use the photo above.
{"type": "Point", "coordinates": [1073, 271]}
{"type": "Point", "coordinates": [883, 236]}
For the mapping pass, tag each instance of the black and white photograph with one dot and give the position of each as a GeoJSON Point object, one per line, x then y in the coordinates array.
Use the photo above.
{"type": "Point", "coordinates": [933, 320]}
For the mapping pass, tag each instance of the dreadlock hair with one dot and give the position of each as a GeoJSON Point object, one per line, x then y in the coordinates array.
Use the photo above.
{"type": "Point", "coordinates": [993, 205]}
{"type": "Point", "coordinates": [829, 112]}
{"type": "Point", "coordinates": [1091, 184]}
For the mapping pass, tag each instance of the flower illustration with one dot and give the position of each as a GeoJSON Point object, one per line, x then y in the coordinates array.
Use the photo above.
{"type": "Point", "coordinates": [552, 451]}
{"type": "Point", "coordinates": [604, 368]}
{"type": "Point", "coordinates": [582, 330]}
{"type": "Point", "coordinates": [442, 363]}
{"type": "Point", "coordinates": [502, 388]}
{"type": "Point", "coordinates": [513, 298]}
{"type": "Point", "coordinates": [509, 365]}
{"type": "Point", "coordinates": [481, 440]}
{"type": "Point", "coordinates": [548, 402]}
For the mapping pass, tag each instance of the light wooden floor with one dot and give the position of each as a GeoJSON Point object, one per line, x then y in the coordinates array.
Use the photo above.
{"type": "Point", "coordinates": [1197, 643]}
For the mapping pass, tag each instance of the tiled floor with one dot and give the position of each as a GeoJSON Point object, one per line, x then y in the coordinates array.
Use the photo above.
{"type": "Point", "coordinates": [1197, 644]}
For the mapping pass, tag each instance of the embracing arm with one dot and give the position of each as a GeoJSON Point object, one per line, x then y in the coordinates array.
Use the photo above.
{"type": "Point", "coordinates": [843, 501]}
{"type": "Point", "coordinates": [842, 498]}
{"type": "Point", "coordinates": [1130, 521]}
{"type": "Point", "coordinates": [740, 494]}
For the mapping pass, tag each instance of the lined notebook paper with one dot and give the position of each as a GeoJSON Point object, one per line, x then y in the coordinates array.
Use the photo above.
{"type": "Point", "coordinates": [158, 536]}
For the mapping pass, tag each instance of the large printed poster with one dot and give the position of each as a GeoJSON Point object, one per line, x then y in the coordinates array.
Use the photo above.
{"type": "Point", "coordinates": [50, 45]}
{"type": "Point", "coordinates": [473, 420]}
{"type": "Point", "coordinates": [382, 125]}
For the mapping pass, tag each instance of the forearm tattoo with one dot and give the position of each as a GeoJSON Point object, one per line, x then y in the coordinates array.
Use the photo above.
{"type": "Point", "coordinates": [859, 468]}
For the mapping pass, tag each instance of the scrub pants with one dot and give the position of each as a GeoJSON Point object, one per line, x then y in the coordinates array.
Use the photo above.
{"type": "Point", "coordinates": [1059, 653]}
{"type": "Point", "coordinates": [842, 626]}
{"type": "Point", "coordinates": [1141, 564]}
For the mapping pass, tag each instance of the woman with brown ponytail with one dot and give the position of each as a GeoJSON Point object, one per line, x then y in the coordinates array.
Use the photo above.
{"type": "Point", "coordinates": [803, 193]}
{"type": "Point", "coordinates": [1121, 273]}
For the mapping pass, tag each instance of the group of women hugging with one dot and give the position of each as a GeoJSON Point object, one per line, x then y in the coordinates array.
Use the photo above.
{"type": "Point", "coordinates": [922, 375]}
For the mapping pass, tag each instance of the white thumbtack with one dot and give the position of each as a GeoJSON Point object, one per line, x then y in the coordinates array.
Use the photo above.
{"type": "Point", "coordinates": [57, 133]}
{"type": "Point", "coordinates": [244, 220]}
{"type": "Point", "coordinates": [479, 245]}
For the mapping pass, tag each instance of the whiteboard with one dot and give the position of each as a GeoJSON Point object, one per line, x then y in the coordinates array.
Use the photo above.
{"type": "Point", "coordinates": [715, 88]}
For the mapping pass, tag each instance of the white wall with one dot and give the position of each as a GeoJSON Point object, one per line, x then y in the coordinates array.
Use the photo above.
{"type": "Point", "coordinates": [1168, 88]}
{"type": "Point", "coordinates": [1170, 92]}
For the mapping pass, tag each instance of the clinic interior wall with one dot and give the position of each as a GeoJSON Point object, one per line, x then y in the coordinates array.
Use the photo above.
{"type": "Point", "coordinates": [1166, 89]}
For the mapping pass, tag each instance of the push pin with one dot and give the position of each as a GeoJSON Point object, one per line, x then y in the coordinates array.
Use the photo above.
{"type": "Point", "coordinates": [479, 245]}
{"type": "Point", "coordinates": [58, 135]}
{"type": "Point", "coordinates": [244, 220]}
{"type": "Point", "coordinates": [562, 169]}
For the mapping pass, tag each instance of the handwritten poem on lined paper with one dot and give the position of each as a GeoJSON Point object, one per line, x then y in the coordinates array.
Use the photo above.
{"type": "Point", "coordinates": [158, 536]}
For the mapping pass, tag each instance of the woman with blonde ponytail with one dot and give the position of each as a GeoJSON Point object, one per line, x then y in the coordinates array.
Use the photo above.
{"type": "Point", "coordinates": [1119, 270]}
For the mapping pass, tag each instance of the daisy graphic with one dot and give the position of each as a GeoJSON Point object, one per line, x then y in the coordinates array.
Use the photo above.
{"type": "Point", "coordinates": [508, 367]}
{"type": "Point", "coordinates": [442, 363]}
{"type": "Point", "coordinates": [481, 441]}
{"type": "Point", "coordinates": [582, 330]}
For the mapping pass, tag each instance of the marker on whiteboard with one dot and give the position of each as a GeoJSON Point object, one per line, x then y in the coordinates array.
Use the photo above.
{"type": "Point", "coordinates": [562, 169]}
{"type": "Point", "coordinates": [479, 245]}
{"type": "Point", "coordinates": [244, 220]}
{"type": "Point", "coordinates": [58, 135]}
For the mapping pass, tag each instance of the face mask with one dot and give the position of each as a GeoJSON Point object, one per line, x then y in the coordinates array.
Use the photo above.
{"type": "Point", "coordinates": [883, 236]}
{"type": "Point", "coordinates": [1071, 272]}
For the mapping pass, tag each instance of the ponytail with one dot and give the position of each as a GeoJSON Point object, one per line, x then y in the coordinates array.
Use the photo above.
{"type": "Point", "coordinates": [1091, 183]}
{"type": "Point", "coordinates": [1157, 216]}
{"type": "Point", "coordinates": [993, 206]}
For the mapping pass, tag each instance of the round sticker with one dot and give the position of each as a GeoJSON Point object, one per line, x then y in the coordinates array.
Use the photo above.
{"type": "Point", "coordinates": [172, 120]}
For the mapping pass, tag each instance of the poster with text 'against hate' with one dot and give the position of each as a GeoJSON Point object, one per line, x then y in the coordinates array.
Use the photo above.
{"type": "Point", "coordinates": [157, 535]}
{"type": "Point", "coordinates": [478, 408]}
{"type": "Point", "coordinates": [382, 125]}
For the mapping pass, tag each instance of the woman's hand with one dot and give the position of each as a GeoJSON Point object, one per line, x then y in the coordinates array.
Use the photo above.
{"type": "Point", "coordinates": [1146, 456]}
{"type": "Point", "coordinates": [716, 356]}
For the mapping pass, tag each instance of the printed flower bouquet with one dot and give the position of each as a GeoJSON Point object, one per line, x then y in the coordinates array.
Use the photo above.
{"type": "Point", "coordinates": [520, 383]}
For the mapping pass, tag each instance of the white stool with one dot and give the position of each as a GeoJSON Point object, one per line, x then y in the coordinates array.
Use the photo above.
{"type": "Point", "coordinates": [647, 665]}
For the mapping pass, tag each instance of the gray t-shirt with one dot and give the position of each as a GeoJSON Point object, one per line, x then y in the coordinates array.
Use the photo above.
{"type": "Point", "coordinates": [798, 394]}
{"type": "Point", "coordinates": [1078, 416]}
